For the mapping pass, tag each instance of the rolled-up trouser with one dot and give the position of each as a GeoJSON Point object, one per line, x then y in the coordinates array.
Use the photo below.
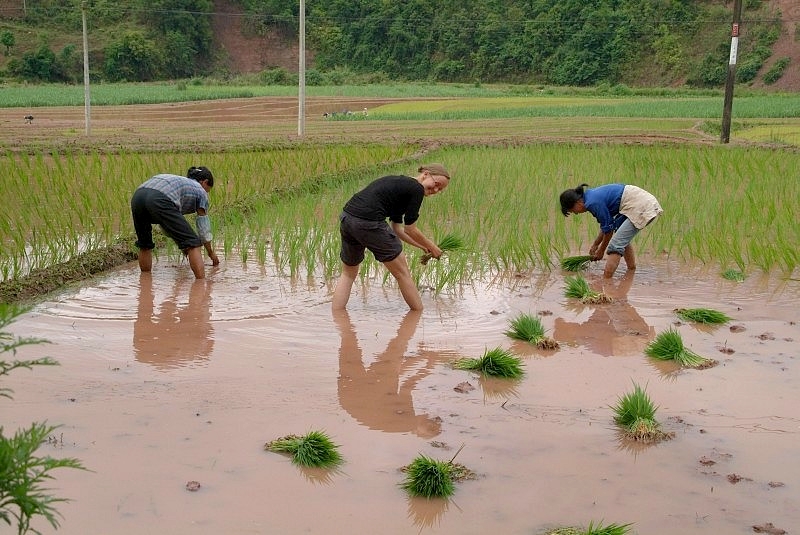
{"type": "Point", "coordinates": [151, 207]}
{"type": "Point", "coordinates": [360, 234]}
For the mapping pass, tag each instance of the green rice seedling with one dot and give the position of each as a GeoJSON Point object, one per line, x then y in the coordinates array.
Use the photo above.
{"type": "Point", "coordinates": [578, 287]}
{"type": "Point", "coordinates": [702, 315]}
{"type": "Point", "coordinates": [668, 345]}
{"type": "Point", "coordinates": [636, 415]}
{"type": "Point", "coordinates": [429, 478]}
{"type": "Point", "coordinates": [530, 329]}
{"type": "Point", "coordinates": [495, 362]}
{"type": "Point", "coordinates": [315, 449]}
{"type": "Point", "coordinates": [592, 529]}
{"type": "Point", "coordinates": [733, 275]}
{"type": "Point", "coordinates": [450, 242]}
{"type": "Point", "coordinates": [576, 263]}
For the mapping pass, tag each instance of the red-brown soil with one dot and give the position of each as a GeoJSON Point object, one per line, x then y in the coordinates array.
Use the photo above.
{"type": "Point", "coordinates": [166, 382]}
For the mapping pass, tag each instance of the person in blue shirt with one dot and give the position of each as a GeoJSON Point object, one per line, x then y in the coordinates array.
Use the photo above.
{"type": "Point", "coordinates": [621, 210]}
{"type": "Point", "coordinates": [163, 200]}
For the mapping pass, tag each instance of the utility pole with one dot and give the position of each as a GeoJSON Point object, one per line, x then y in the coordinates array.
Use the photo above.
{"type": "Point", "coordinates": [301, 78]}
{"type": "Point", "coordinates": [86, 93]}
{"type": "Point", "coordinates": [725, 135]}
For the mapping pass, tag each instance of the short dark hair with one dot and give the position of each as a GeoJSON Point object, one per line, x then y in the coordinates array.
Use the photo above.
{"type": "Point", "coordinates": [201, 173]}
{"type": "Point", "coordinates": [569, 197]}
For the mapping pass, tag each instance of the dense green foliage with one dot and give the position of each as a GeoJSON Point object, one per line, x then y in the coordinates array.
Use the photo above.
{"type": "Point", "coordinates": [561, 42]}
{"type": "Point", "coordinates": [23, 474]}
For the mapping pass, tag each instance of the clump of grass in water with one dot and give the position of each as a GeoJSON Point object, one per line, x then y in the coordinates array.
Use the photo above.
{"type": "Point", "coordinates": [578, 287]}
{"type": "Point", "coordinates": [592, 529]}
{"type": "Point", "coordinates": [702, 315]}
{"type": "Point", "coordinates": [733, 275]}
{"type": "Point", "coordinates": [430, 478]}
{"type": "Point", "coordinates": [636, 415]}
{"type": "Point", "coordinates": [668, 345]}
{"type": "Point", "coordinates": [495, 362]}
{"type": "Point", "coordinates": [450, 242]}
{"type": "Point", "coordinates": [576, 263]}
{"type": "Point", "coordinates": [530, 329]}
{"type": "Point", "coordinates": [315, 449]}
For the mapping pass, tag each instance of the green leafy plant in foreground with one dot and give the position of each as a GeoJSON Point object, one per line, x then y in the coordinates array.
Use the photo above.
{"type": "Point", "coordinates": [22, 474]}
{"type": "Point", "coordinates": [668, 345]}
{"type": "Point", "coordinates": [636, 415]}
{"type": "Point", "coordinates": [314, 449]}
{"type": "Point", "coordinates": [578, 288]}
{"type": "Point", "coordinates": [592, 529]}
{"type": "Point", "coordinates": [576, 263]}
{"type": "Point", "coordinates": [530, 329]}
{"type": "Point", "coordinates": [450, 242]}
{"type": "Point", "coordinates": [702, 315]}
{"type": "Point", "coordinates": [495, 362]}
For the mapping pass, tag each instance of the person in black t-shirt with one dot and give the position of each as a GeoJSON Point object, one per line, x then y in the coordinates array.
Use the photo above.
{"type": "Point", "coordinates": [363, 225]}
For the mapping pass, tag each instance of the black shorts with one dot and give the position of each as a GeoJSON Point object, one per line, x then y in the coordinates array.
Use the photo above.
{"type": "Point", "coordinates": [360, 234]}
{"type": "Point", "coordinates": [151, 207]}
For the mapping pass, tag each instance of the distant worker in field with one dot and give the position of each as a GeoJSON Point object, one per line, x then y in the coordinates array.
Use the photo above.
{"type": "Point", "coordinates": [163, 200]}
{"type": "Point", "coordinates": [363, 226]}
{"type": "Point", "coordinates": [29, 119]}
{"type": "Point", "coordinates": [621, 210]}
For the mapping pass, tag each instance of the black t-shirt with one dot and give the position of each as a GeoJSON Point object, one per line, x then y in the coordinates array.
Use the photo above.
{"type": "Point", "coordinates": [396, 197]}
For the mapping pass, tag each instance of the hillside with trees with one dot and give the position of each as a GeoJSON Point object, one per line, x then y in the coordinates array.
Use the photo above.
{"type": "Point", "coordinates": [640, 43]}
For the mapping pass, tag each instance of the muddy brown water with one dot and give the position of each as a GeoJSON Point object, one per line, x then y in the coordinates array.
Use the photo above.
{"type": "Point", "coordinates": [164, 381]}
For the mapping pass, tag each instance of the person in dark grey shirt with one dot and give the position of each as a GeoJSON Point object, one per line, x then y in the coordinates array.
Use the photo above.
{"type": "Point", "coordinates": [363, 226]}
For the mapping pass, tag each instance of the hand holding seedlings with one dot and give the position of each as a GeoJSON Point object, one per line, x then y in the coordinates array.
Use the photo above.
{"type": "Point", "coordinates": [450, 242]}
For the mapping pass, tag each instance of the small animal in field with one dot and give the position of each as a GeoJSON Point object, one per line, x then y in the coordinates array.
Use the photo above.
{"type": "Point", "coordinates": [29, 119]}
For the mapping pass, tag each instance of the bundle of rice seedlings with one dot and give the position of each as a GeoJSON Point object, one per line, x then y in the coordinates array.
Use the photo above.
{"type": "Point", "coordinates": [592, 529]}
{"type": "Point", "coordinates": [702, 315]}
{"type": "Point", "coordinates": [733, 275]}
{"type": "Point", "coordinates": [578, 288]}
{"type": "Point", "coordinates": [450, 242]}
{"type": "Point", "coordinates": [495, 362]}
{"type": "Point", "coordinates": [668, 345]}
{"type": "Point", "coordinates": [315, 449]}
{"type": "Point", "coordinates": [530, 329]}
{"type": "Point", "coordinates": [429, 478]}
{"type": "Point", "coordinates": [576, 263]}
{"type": "Point", "coordinates": [636, 415]}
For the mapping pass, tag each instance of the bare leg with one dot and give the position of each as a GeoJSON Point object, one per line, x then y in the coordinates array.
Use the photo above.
{"type": "Point", "coordinates": [399, 269]}
{"type": "Point", "coordinates": [145, 260]}
{"type": "Point", "coordinates": [195, 256]}
{"type": "Point", "coordinates": [341, 294]}
{"type": "Point", "coordinates": [630, 258]}
{"type": "Point", "coordinates": [612, 263]}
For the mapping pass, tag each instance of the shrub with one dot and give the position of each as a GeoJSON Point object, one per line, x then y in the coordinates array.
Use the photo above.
{"type": "Point", "coordinates": [22, 473]}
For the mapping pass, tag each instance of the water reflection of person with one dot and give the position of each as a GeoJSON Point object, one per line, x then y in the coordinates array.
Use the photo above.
{"type": "Point", "coordinates": [175, 335]}
{"type": "Point", "coordinates": [374, 395]}
{"type": "Point", "coordinates": [612, 329]}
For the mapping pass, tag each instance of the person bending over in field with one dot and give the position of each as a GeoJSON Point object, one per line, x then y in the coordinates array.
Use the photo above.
{"type": "Point", "coordinates": [163, 200]}
{"type": "Point", "coordinates": [621, 210]}
{"type": "Point", "coordinates": [363, 225]}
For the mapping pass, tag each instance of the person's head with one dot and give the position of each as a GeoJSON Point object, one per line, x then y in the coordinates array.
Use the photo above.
{"type": "Point", "coordinates": [433, 177]}
{"type": "Point", "coordinates": [572, 200]}
{"type": "Point", "coordinates": [202, 175]}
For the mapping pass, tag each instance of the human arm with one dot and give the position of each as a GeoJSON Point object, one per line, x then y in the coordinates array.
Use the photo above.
{"type": "Point", "coordinates": [413, 236]}
{"type": "Point", "coordinates": [204, 230]}
{"type": "Point", "coordinates": [598, 248]}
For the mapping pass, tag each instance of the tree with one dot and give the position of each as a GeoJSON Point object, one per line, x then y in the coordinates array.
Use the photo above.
{"type": "Point", "coordinates": [22, 473]}
{"type": "Point", "coordinates": [134, 58]}
{"type": "Point", "coordinates": [7, 40]}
